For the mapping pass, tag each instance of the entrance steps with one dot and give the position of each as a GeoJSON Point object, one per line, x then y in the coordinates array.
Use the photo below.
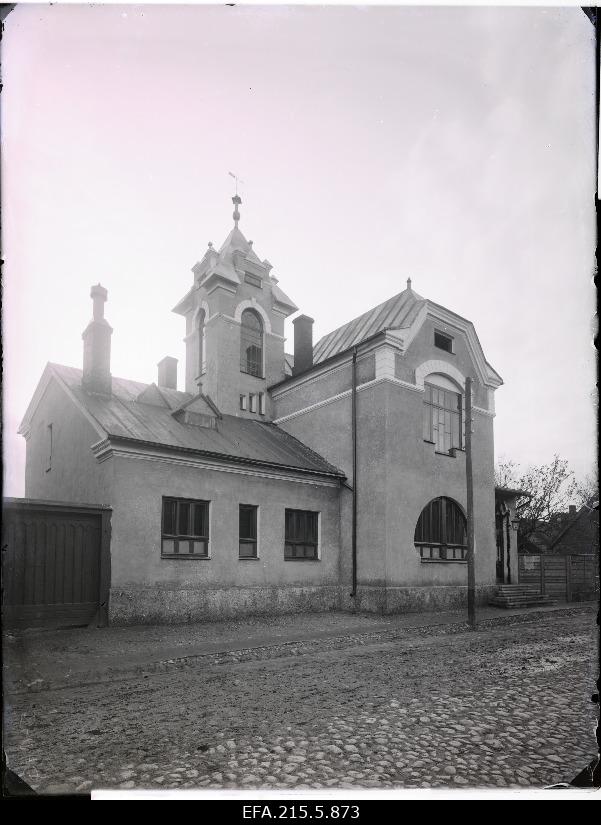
{"type": "Point", "coordinates": [519, 595]}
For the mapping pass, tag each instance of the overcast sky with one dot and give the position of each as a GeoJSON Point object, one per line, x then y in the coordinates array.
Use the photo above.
{"type": "Point", "coordinates": [454, 146]}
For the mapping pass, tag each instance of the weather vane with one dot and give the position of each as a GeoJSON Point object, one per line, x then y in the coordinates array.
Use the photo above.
{"type": "Point", "coordinates": [237, 179]}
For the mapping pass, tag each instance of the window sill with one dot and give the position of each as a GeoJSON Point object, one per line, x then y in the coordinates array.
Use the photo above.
{"type": "Point", "coordinates": [248, 558]}
{"type": "Point", "coordinates": [443, 561]}
{"type": "Point", "coordinates": [185, 557]}
{"type": "Point", "coordinates": [253, 375]}
{"type": "Point", "coordinates": [302, 560]}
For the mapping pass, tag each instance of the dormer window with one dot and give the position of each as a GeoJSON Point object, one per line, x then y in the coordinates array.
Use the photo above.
{"type": "Point", "coordinates": [442, 341]}
{"type": "Point", "coordinates": [251, 343]}
{"type": "Point", "coordinates": [253, 280]}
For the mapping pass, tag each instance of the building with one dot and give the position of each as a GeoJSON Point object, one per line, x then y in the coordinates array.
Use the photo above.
{"type": "Point", "coordinates": [334, 478]}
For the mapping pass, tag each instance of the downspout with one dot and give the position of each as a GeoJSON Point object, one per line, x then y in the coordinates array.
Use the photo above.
{"type": "Point", "coordinates": [354, 436]}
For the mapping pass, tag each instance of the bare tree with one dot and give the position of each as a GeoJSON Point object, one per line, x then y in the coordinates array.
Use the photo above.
{"type": "Point", "coordinates": [549, 489]}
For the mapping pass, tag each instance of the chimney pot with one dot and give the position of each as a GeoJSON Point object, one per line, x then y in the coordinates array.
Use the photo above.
{"type": "Point", "coordinates": [168, 373]}
{"type": "Point", "coordinates": [303, 344]}
{"type": "Point", "coordinates": [572, 509]}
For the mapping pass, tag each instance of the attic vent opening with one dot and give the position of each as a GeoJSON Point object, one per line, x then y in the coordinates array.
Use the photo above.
{"type": "Point", "coordinates": [253, 280]}
{"type": "Point", "coordinates": [442, 341]}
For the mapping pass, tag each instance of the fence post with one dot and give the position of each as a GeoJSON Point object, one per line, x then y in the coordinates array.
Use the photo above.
{"type": "Point", "coordinates": [568, 578]}
{"type": "Point", "coordinates": [541, 559]}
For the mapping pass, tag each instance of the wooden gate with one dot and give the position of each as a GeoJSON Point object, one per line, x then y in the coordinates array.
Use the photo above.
{"type": "Point", "coordinates": [55, 564]}
{"type": "Point", "coordinates": [573, 577]}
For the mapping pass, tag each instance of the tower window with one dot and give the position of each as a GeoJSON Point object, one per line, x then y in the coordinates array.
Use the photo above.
{"type": "Point", "coordinates": [443, 341]}
{"type": "Point", "coordinates": [243, 402]}
{"type": "Point", "coordinates": [252, 402]}
{"type": "Point", "coordinates": [202, 350]}
{"type": "Point", "coordinates": [253, 280]}
{"type": "Point", "coordinates": [251, 343]}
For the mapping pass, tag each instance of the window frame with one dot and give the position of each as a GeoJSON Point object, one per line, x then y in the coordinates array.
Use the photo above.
{"type": "Point", "coordinates": [306, 540]}
{"type": "Point", "coordinates": [243, 402]}
{"type": "Point", "coordinates": [253, 280]}
{"type": "Point", "coordinates": [434, 409]}
{"type": "Point", "coordinates": [50, 445]}
{"type": "Point", "coordinates": [444, 551]}
{"type": "Point", "coordinates": [447, 338]}
{"type": "Point", "coordinates": [254, 364]}
{"type": "Point", "coordinates": [249, 540]}
{"type": "Point", "coordinates": [190, 538]}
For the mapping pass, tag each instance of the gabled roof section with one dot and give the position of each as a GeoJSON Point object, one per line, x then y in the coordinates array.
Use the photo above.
{"type": "Point", "coordinates": [402, 317]}
{"type": "Point", "coordinates": [398, 312]}
{"type": "Point", "coordinates": [122, 416]}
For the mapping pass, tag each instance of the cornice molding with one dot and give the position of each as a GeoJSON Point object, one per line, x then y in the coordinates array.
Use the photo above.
{"type": "Point", "coordinates": [333, 398]}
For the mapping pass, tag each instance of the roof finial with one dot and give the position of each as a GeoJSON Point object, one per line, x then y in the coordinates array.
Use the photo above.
{"type": "Point", "coordinates": [236, 200]}
{"type": "Point", "coordinates": [408, 283]}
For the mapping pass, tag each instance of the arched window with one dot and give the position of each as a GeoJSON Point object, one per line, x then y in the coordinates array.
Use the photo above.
{"type": "Point", "coordinates": [251, 343]}
{"type": "Point", "coordinates": [202, 350]}
{"type": "Point", "coordinates": [442, 415]}
{"type": "Point", "coordinates": [441, 532]}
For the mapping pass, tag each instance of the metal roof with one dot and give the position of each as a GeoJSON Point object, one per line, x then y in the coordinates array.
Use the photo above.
{"type": "Point", "coordinates": [396, 313]}
{"type": "Point", "coordinates": [124, 417]}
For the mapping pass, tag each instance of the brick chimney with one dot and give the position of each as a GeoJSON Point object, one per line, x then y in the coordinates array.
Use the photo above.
{"type": "Point", "coordinates": [303, 344]}
{"type": "Point", "coordinates": [168, 373]}
{"type": "Point", "coordinates": [97, 347]}
{"type": "Point", "coordinates": [572, 509]}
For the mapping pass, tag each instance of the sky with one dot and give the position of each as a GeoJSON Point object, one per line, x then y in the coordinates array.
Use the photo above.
{"type": "Point", "coordinates": [455, 146]}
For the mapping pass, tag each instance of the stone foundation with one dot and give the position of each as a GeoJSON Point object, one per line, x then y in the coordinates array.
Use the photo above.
{"type": "Point", "coordinates": [415, 599]}
{"type": "Point", "coordinates": [160, 605]}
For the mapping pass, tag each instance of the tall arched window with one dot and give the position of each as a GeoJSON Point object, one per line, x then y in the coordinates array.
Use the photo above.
{"type": "Point", "coordinates": [442, 415]}
{"type": "Point", "coordinates": [251, 343]}
{"type": "Point", "coordinates": [202, 351]}
{"type": "Point", "coordinates": [441, 532]}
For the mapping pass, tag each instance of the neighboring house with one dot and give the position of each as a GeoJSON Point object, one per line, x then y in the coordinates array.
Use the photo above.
{"type": "Point", "coordinates": [576, 531]}
{"type": "Point", "coordinates": [580, 534]}
{"type": "Point", "coordinates": [331, 479]}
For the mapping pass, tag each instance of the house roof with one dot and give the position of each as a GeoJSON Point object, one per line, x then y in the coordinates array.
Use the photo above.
{"type": "Point", "coordinates": [397, 312]}
{"type": "Point", "coordinates": [402, 315]}
{"type": "Point", "coordinates": [586, 509]}
{"type": "Point", "coordinates": [124, 416]}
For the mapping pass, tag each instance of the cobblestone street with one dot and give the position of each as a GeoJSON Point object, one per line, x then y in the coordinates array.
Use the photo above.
{"type": "Point", "coordinates": [507, 706]}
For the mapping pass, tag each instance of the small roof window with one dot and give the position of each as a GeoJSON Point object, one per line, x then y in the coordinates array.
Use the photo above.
{"type": "Point", "coordinates": [443, 341]}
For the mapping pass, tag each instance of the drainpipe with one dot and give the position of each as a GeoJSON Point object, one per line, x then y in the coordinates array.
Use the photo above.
{"type": "Point", "coordinates": [354, 431]}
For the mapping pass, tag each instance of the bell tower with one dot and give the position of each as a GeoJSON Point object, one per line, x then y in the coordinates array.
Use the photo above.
{"type": "Point", "coordinates": [235, 314]}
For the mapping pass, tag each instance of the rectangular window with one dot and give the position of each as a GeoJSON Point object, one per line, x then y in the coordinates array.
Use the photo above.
{"type": "Point", "coordinates": [243, 402]}
{"type": "Point", "coordinates": [49, 445]}
{"type": "Point", "coordinates": [247, 531]}
{"type": "Point", "coordinates": [252, 402]}
{"type": "Point", "coordinates": [185, 531]}
{"type": "Point", "coordinates": [442, 418]}
{"type": "Point", "coordinates": [443, 341]}
{"type": "Point", "coordinates": [301, 535]}
{"type": "Point", "coordinates": [261, 403]}
{"type": "Point", "coordinates": [253, 280]}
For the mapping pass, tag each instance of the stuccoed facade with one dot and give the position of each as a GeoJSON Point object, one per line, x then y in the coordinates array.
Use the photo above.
{"type": "Point", "coordinates": [289, 447]}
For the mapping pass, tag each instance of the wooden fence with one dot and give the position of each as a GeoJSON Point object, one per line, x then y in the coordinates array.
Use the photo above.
{"type": "Point", "coordinates": [572, 578]}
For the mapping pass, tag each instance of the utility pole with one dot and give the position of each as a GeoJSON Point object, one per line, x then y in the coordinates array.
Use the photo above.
{"type": "Point", "coordinates": [471, 571]}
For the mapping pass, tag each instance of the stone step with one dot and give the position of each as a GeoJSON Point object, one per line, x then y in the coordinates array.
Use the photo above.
{"type": "Point", "coordinates": [522, 590]}
{"type": "Point", "coordinates": [535, 601]}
